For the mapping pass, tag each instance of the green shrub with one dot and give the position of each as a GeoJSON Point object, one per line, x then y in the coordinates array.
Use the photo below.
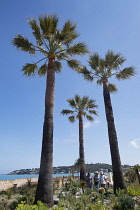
{"type": "Point", "coordinates": [29, 181]}
{"type": "Point", "coordinates": [39, 206]}
{"type": "Point", "coordinates": [101, 190]}
{"type": "Point", "coordinates": [9, 193]}
{"type": "Point", "coordinates": [131, 176]}
{"type": "Point", "coordinates": [3, 192]}
{"type": "Point", "coordinates": [126, 203]}
{"type": "Point", "coordinates": [133, 190]}
{"type": "Point", "coordinates": [97, 206]}
{"type": "Point", "coordinates": [120, 192]}
{"type": "Point", "coordinates": [58, 208]}
{"type": "Point", "coordinates": [73, 190]}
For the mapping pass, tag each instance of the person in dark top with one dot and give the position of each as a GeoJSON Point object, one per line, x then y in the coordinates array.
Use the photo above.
{"type": "Point", "coordinates": [89, 180]}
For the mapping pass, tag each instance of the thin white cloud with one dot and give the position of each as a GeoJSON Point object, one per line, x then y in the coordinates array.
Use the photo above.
{"type": "Point", "coordinates": [87, 125]}
{"type": "Point", "coordinates": [135, 143]}
{"type": "Point", "coordinates": [73, 138]}
{"type": "Point", "coordinates": [90, 124]}
{"type": "Point", "coordinates": [70, 140]}
{"type": "Point", "coordinates": [97, 121]}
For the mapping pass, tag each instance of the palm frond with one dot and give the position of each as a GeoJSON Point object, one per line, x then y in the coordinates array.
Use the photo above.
{"type": "Point", "coordinates": [68, 33]}
{"type": "Point", "coordinates": [126, 73]}
{"type": "Point", "coordinates": [114, 60]}
{"type": "Point", "coordinates": [94, 61]}
{"type": "Point", "coordinates": [69, 26]}
{"type": "Point", "coordinates": [78, 49]}
{"type": "Point", "coordinates": [71, 102]}
{"type": "Point", "coordinates": [99, 81]}
{"type": "Point", "coordinates": [79, 162]}
{"type": "Point", "coordinates": [73, 63]}
{"type": "Point", "coordinates": [112, 88]}
{"type": "Point", "coordinates": [62, 56]}
{"type": "Point", "coordinates": [22, 43]}
{"type": "Point", "coordinates": [57, 66]}
{"type": "Point", "coordinates": [43, 70]}
{"type": "Point", "coordinates": [89, 117]}
{"type": "Point", "coordinates": [36, 31]}
{"type": "Point", "coordinates": [67, 38]}
{"type": "Point", "coordinates": [66, 111]}
{"type": "Point", "coordinates": [29, 69]}
{"type": "Point", "coordinates": [91, 104]}
{"type": "Point", "coordinates": [86, 73]}
{"type": "Point", "coordinates": [81, 113]}
{"type": "Point", "coordinates": [93, 112]}
{"type": "Point", "coordinates": [71, 119]}
{"type": "Point", "coordinates": [85, 100]}
{"type": "Point", "coordinates": [48, 24]}
{"type": "Point", "coordinates": [77, 99]}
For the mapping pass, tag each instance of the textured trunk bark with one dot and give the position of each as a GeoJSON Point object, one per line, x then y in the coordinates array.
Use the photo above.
{"type": "Point", "coordinates": [81, 150]}
{"type": "Point", "coordinates": [44, 190]}
{"type": "Point", "coordinates": [114, 149]}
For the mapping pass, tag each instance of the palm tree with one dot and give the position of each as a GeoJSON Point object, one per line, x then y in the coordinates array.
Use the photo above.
{"type": "Point", "coordinates": [54, 45]}
{"type": "Point", "coordinates": [103, 70]}
{"type": "Point", "coordinates": [82, 107]}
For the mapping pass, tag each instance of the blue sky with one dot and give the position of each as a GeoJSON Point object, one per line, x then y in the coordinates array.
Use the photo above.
{"type": "Point", "coordinates": [103, 25]}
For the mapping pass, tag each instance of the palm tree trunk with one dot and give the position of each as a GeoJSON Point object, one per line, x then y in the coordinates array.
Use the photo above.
{"type": "Point", "coordinates": [114, 149]}
{"type": "Point", "coordinates": [81, 150]}
{"type": "Point", "coordinates": [44, 190]}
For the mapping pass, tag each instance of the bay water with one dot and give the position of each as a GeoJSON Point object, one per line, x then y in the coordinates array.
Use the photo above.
{"type": "Point", "coordinates": [25, 176]}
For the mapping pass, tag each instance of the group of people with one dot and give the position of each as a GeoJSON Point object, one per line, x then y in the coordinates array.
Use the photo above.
{"type": "Point", "coordinates": [98, 180]}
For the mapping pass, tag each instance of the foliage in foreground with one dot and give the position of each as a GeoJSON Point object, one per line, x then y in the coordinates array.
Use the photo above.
{"type": "Point", "coordinates": [39, 206]}
{"type": "Point", "coordinates": [133, 190]}
{"type": "Point", "coordinates": [73, 196]}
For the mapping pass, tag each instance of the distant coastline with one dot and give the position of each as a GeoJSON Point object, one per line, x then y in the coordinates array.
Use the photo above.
{"type": "Point", "coordinates": [69, 169]}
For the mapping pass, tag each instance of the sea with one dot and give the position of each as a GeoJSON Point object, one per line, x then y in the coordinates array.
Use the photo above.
{"type": "Point", "coordinates": [25, 176]}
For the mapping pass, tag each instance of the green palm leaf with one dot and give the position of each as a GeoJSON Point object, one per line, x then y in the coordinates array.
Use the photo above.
{"type": "Point", "coordinates": [62, 56]}
{"type": "Point", "coordinates": [29, 69]}
{"type": "Point", "coordinates": [68, 33]}
{"type": "Point", "coordinates": [71, 102]}
{"type": "Point", "coordinates": [114, 60]}
{"type": "Point", "coordinates": [112, 88]}
{"type": "Point", "coordinates": [94, 61]}
{"type": "Point", "coordinates": [89, 117]}
{"type": "Point", "coordinates": [22, 43]}
{"type": "Point", "coordinates": [93, 112]}
{"type": "Point", "coordinates": [71, 119]}
{"type": "Point", "coordinates": [86, 73]}
{"type": "Point", "coordinates": [73, 63]}
{"type": "Point", "coordinates": [69, 26]}
{"type": "Point", "coordinates": [78, 99]}
{"type": "Point", "coordinates": [126, 73]}
{"type": "Point", "coordinates": [78, 49]}
{"type": "Point", "coordinates": [57, 66]}
{"type": "Point", "coordinates": [66, 111]}
{"type": "Point", "coordinates": [48, 24]}
{"type": "Point", "coordinates": [43, 70]}
{"type": "Point", "coordinates": [36, 31]}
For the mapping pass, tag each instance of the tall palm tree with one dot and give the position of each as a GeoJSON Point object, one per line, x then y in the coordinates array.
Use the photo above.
{"type": "Point", "coordinates": [54, 45]}
{"type": "Point", "coordinates": [103, 70]}
{"type": "Point", "coordinates": [82, 107]}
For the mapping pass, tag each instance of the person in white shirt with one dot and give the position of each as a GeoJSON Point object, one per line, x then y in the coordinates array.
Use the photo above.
{"type": "Point", "coordinates": [102, 179]}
